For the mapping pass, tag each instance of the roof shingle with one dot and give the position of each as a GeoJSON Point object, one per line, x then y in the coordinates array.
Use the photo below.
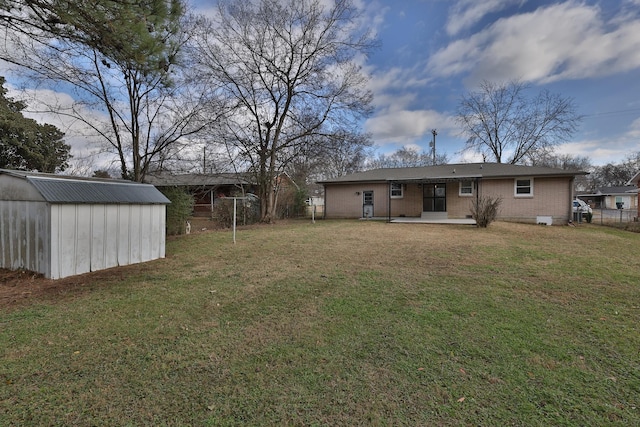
{"type": "Point", "coordinates": [453, 171]}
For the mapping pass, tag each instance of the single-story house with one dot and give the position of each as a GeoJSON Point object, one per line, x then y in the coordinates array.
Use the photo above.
{"type": "Point", "coordinates": [636, 181]}
{"type": "Point", "coordinates": [210, 189]}
{"type": "Point", "coordinates": [61, 226]}
{"type": "Point", "coordinates": [611, 197]}
{"type": "Point", "coordinates": [529, 193]}
{"type": "Point", "coordinates": [206, 189]}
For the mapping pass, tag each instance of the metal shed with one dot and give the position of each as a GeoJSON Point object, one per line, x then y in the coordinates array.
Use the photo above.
{"type": "Point", "coordinates": [62, 226]}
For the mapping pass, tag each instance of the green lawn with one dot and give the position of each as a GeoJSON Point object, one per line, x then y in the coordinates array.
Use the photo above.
{"type": "Point", "coordinates": [340, 323]}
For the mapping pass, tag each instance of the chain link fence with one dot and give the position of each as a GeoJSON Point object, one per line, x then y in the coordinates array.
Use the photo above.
{"type": "Point", "coordinates": [613, 216]}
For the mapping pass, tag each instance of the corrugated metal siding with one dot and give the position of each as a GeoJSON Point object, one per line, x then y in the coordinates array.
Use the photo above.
{"type": "Point", "coordinates": [72, 191]}
{"type": "Point", "coordinates": [94, 237]}
{"type": "Point", "coordinates": [24, 236]}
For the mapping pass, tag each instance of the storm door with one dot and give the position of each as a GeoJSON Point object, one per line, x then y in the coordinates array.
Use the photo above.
{"type": "Point", "coordinates": [434, 197]}
{"type": "Point", "coordinates": [367, 204]}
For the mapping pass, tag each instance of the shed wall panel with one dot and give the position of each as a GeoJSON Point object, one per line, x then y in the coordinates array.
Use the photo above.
{"type": "Point", "coordinates": [145, 232]}
{"type": "Point", "coordinates": [135, 234]}
{"type": "Point", "coordinates": [71, 240]}
{"type": "Point", "coordinates": [111, 235]}
{"type": "Point", "coordinates": [99, 237]}
{"type": "Point", "coordinates": [24, 235]}
{"type": "Point", "coordinates": [83, 238]}
{"type": "Point", "coordinates": [124, 236]}
{"type": "Point", "coordinates": [94, 237]}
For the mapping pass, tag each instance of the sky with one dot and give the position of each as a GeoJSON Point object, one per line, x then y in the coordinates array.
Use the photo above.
{"type": "Point", "coordinates": [435, 51]}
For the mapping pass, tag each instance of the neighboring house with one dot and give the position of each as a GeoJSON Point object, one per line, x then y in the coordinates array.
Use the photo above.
{"type": "Point", "coordinates": [61, 226]}
{"type": "Point", "coordinates": [610, 197]}
{"type": "Point", "coordinates": [528, 193]}
{"type": "Point", "coordinates": [210, 189]}
{"type": "Point", "coordinates": [636, 181]}
{"type": "Point", "coordinates": [206, 189]}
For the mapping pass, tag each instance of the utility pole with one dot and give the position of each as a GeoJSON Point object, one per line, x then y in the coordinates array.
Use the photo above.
{"type": "Point", "coordinates": [433, 146]}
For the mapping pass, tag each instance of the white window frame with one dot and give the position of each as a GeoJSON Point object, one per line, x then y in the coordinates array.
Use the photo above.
{"type": "Point", "coordinates": [516, 187]}
{"type": "Point", "coordinates": [397, 186]}
{"type": "Point", "coordinates": [461, 194]}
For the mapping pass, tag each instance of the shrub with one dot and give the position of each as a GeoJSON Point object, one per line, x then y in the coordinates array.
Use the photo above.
{"type": "Point", "coordinates": [179, 211]}
{"type": "Point", "coordinates": [247, 211]}
{"type": "Point", "coordinates": [485, 210]}
{"type": "Point", "coordinates": [589, 217]}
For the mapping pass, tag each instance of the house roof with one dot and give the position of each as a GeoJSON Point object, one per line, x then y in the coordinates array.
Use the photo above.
{"type": "Point", "coordinates": [611, 191]}
{"type": "Point", "coordinates": [635, 180]}
{"type": "Point", "coordinates": [456, 172]}
{"type": "Point", "coordinates": [70, 189]}
{"type": "Point", "coordinates": [165, 179]}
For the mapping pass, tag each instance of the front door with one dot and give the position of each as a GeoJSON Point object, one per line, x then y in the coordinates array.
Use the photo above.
{"type": "Point", "coordinates": [434, 197]}
{"type": "Point", "coordinates": [367, 204]}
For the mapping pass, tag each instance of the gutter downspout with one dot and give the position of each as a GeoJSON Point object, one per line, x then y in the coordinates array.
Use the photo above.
{"type": "Point", "coordinates": [571, 184]}
{"type": "Point", "coordinates": [389, 202]}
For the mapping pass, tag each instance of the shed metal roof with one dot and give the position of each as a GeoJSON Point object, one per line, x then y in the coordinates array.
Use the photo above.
{"type": "Point", "coordinates": [453, 172]}
{"type": "Point", "coordinates": [68, 189]}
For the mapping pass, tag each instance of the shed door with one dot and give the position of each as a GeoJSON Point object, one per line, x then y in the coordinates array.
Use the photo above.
{"type": "Point", "coordinates": [367, 204]}
{"type": "Point", "coordinates": [434, 197]}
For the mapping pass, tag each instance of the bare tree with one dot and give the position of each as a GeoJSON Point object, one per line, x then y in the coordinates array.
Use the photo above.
{"type": "Point", "coordinates": [124, 70]}
{"type": "Point", "coordinates": [290, 69]}
{"type": "Point", "coordinates": [328, 157]}
{"type": "Point", "coordinates": [549, 159]}
{"type": "Point", "coordinates": [405, 157]}
{"type": "Point", "coordinates": [615, 174]}
{"type": "Point", "coordinates": [505, 126]}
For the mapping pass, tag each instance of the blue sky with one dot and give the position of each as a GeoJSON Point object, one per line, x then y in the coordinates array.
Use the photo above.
{"type": "Point", "coordinates": [434, 51]}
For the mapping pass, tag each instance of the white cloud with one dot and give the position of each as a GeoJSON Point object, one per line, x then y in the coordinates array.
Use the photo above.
{"type": "Point", "coordinates": [395, 88]}
{"type": "Point", "coordinates": [85, 149]}
{"type": "Point", "coordinates": [466, 13]}
{"type": "Point", "coordinates": [563, 41]}
{"type": "Point", "coordinates": [405, 127]}
{"type": "Point", "coordinates": [613, 149]}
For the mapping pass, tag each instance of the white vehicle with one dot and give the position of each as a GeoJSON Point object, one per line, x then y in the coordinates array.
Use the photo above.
{"type": "Point", "coordinates": [581, 207]}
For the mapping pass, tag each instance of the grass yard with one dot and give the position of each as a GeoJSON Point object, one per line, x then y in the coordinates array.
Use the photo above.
{"type": "Point", "coordinates": [338, 323]}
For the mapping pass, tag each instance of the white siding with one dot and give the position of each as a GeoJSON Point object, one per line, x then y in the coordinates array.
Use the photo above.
{"type": "Point", "coordinates": [24, 236]}
{"type": "Point", "coordinates": [124, 235]}
{"type": "Point", "coordinates": [94, 237]}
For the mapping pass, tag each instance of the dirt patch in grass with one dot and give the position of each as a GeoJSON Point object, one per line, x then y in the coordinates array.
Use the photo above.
{"type": "Point", "coordinates": [20, 288]}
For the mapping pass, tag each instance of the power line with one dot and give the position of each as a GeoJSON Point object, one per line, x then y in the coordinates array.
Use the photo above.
{"type": "Point", "coordinates": [606, 113]}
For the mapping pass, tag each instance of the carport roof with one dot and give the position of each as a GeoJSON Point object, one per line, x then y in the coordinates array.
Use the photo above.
{"type": "Point", "coordinates": [69, 189]}
{"type": "Point", "coordinates": [457, 172]}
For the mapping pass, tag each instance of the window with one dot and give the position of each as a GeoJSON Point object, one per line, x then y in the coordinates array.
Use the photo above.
{"type": "Point", "coordinates": [523, 187]}
{"type": "Point", "coordinates": [466, 188]}
{"type": "Point", "coordinates": [396, 190]}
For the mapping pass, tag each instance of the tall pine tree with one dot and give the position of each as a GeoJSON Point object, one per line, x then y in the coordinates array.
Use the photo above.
{"type": "Point", "coordinates": [26, 144]}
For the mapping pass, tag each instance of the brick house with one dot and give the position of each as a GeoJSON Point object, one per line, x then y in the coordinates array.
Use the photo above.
{"type": "Point", "coordinates": [444, 192]}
